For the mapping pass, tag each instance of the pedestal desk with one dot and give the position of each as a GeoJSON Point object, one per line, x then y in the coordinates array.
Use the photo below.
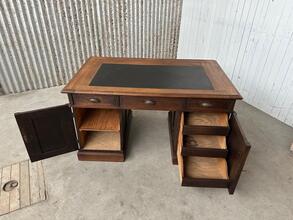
{"type": "Point", "coordinates": [206, 139]}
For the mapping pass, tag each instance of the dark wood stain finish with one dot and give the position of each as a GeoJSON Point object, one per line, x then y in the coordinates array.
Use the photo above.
{"type": "Point", "coordinates": [172, 135]}
{"type": "Point", "coordinates": [151, 103]}
{"type": "Point", "coordinates": [50, 132]}
{"type": "Point", "coordinates": [110, 156]}
{"type": "Point", "coordinates": [208, 130]}
{"type": "Point", "coordinates": [210, 105]}
{"type": "Point", "coordinates": [238, 148]}
{"type": "Point", "coordinates": [222, 86]}
{"type": "Point", "coordinates": [47, 132]}
{"type": "Point", "coordinates": [211, 183]}
{"type": "Point", "coordinates": [204, 152]}
{"type": "Point", "coordinates": [95, 101]}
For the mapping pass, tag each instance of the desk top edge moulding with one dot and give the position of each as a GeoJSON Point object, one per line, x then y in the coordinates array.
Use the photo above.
{"type": "Point", "coordinates": [221, 86]}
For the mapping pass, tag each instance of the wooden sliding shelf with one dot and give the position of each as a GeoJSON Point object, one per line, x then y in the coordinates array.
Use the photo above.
{"type": "Point", "coordinates": [102, 140]}
{"type": "Point", "coordinates": [213, 141]}
{"type": "Point", "coordinates": [204, 134]}
{"type": "Point", "coordinates": [206, 119]}
{"type": "Point", "coordinates": [204, 145]}
{"type": "Point", "coordinates": [206, 123]}
{"type": "Point", "coordinates": [206, 167]}
{"type": "Point", "coordinates": [101, 120]}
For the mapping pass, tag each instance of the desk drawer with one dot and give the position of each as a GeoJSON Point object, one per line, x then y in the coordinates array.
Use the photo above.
{"type": "Point", "coordinates": [149, 103]}
{"type": "Point", "coordinates": [95, 101]}
{"type": "Point", "coordinates": [210, 105]}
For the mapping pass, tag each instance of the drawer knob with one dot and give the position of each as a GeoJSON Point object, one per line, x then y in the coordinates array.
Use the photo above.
{"type": "Point", "coordinates": [149, 102]}
{"type": "Point", "coordinates": [94, 100]}
{"type": "Point", "coordinates": [206, 104]}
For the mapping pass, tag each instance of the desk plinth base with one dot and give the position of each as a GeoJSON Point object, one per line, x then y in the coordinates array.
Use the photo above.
{"type": "Point", "coordinates": [101, 156]}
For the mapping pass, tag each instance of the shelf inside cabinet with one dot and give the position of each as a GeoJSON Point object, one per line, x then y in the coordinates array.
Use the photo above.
{"type": "Point", "coordinates": [102, 140]}
{"type": "Point", "coordinates": [206, 119]}
{"type": "Point", "coordinates": [100, 120]}
{"type": "Point", "coordinates": [205, 167]}
{"type": "Point", "coordinates": [205, 141]}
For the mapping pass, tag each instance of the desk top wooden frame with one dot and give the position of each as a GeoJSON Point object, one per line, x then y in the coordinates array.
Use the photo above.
{"type": "Point", "coordinates": [223, 88]}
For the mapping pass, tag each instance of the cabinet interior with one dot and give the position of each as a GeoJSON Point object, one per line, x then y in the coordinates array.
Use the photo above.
{"type": "Point", "coordinates": [98, 129]}
{"type": "Point", "coordinates": [201, 167]}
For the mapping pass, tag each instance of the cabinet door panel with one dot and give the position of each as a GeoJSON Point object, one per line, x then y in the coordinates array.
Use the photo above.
{"type": "Point", "coordinates": [238, 148]}
{"type": "Point", "coordinates": [47, 132]}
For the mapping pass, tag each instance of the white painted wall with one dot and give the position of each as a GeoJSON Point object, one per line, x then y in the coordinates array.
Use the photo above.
{"type": "Point", "coordinates": [252, 41]}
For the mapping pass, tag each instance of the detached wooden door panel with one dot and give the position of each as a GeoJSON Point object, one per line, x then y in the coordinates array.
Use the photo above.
{"type": "Point", "coordinates": [238, 148]}
{"type": "Point", "coordinates": [47, 132]}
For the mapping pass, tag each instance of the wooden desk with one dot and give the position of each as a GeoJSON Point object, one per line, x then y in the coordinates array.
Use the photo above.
{"type": "Point", "coordinates": [207, 142]}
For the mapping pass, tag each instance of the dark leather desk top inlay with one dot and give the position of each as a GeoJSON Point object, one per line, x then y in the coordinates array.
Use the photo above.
{"type": "Point", "coordinates": [152, 76]}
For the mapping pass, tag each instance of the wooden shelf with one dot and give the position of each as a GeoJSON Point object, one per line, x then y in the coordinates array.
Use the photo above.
{"type": "Point", "coordinates": [205, 141]}
{"type": "Point", "coordinates": [102, 140]}
{"type": "Point", "coordinates": [100, 120]}
{"type": "Point", "coordinates": [205, 167]}
{"type": "Point", "coordinates": [206, 119]}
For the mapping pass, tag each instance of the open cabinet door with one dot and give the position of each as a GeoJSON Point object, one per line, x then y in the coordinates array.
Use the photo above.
{"type": "Point", "coordinates": [238, 151]}
{"type": "Point", "coordinates": [47, 132]}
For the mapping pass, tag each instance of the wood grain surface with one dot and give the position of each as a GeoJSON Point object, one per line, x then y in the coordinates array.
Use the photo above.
{"type": "Point", "coordinates": [206, 167]}
{"type": "Point", "coordinates": [31, 187]}
{"type": "Point", "coordinates": [102, 140]}
{"type": "Point", "coordinates": [206, 119]}
{"type": "Point", "coordinates": [100, 120]}
{"type": "Point", "coordinates": [179, 147]}
{"type": "Point", "coordinates": [205, 141]}
{"type": "Point", "coordinates": [223, 88]}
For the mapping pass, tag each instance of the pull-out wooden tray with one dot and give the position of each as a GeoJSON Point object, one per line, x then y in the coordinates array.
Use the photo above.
{"type": "Point", "coordinates": [100, 120]}
{"type": "Point", "coordinates": [102, 140]}
{"type": "Point", "coordinates": [205, 168]}
{"type": "Point", "coordinates": [204, 145]}
{"type": "Point", "coordinates": [206, 123]}
{"type": "Point", "coordinates": [202, 171]}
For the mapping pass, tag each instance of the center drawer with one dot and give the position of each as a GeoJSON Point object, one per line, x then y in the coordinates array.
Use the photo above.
{"type": "Point", "coordinates": [151, 103]}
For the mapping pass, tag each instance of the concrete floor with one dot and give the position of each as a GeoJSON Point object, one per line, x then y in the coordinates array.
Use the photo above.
{"type": "Point", "coordinates": [146, 186]}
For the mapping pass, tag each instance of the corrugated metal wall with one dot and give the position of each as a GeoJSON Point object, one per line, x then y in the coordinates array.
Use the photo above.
{"type": "Point", "coordinates": [253, 42]}
{"type": "Point", "coordinates": [43, 43]}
